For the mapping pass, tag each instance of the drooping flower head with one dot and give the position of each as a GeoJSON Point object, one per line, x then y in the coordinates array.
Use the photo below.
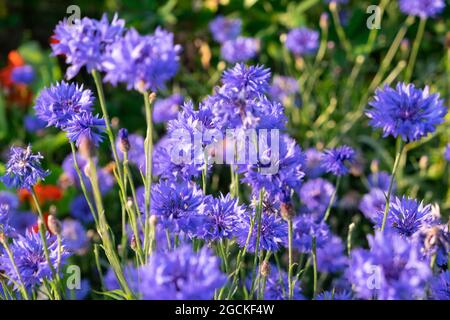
{"type": "Point", "coordinates": [390, 270]}
{"type": "Point", "coordinates": [306, 228]}
{"type": "Point", "coordinates": [315, 195]}
{"type": "Point", "coordinates": [86, 42]}
{"type": "Point", "coordinates": [406, 111]}
{"type": "Point", "coordinates": [422, 8]}
{"type": "Point", "coordinates": [181, 275]}
{"type": "Point", "coordinates": [240, 49]}
{"type": "Point", "coordinates": [22, 74]}
{"type": "Point", "coordinates": [223, 29]}
{"type": "Point", "coordinates": [440, 286]}
{"type": "Point", "coordinates": [335, 160]}
{"type": "Point", "coordinates": [406, 216]}
{"type": "Point", "coordinates": [142, 62]}
{"type": "Point", "coordinates": [23, 169]}
{"type": "Point", "coordinates": [302, 41]}
{"type": "Point", "coordinates": [223, 216]}
{"type": "Point", "coordinates": [168, 108]}
{"type": "Point", "coordinates": [85, 127]}
{"type": "Point", "coordinates": [59, 103]}
{"type": "Point", "coordinates": [179, 206]}
{"type": "Point", "coordinates": [29, 257]}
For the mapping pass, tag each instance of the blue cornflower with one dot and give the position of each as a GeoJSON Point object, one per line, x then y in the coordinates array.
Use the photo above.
{"type": "Point", "coordinates": [179, 206]}
{"type": "Point", "coordinates": [167, 109]}
{"type": "Point", "coordinates": [334, 160]}
{"type": "Point", "coordinates": [246, 81]}
{"type": "Point", "coordinates": [240, 49]}
{"type": "Point", "coordinates": [5, 226]}
{"type": "Point", "coordinates": [23, 74]}
{"type": "Point", "coordinates": [440, 286]}
{"type": "Point", "coordinates": [10, 199]}
{"type": "Point", "coordinates": [181, 275]}
{"type": "Point", "coordinates": [86, 42]}
{"type": "Point", "coordinates": [305, 229]}
{"type": "Point", "coordinates": [434, 241]}
{"type": "Point", "coordinates": [447, 152]}
{"type": "Point", "coordinates": [223, 216]}
{"type": "Point", "coordinates": [313, 167]}
{"type": "Point", "coordinates": [331, 295]}
{"type": "Point", "coordinates": [406, 216]}
{"type": "Point", "coordinates": [406, 111]}
{"type": "Point", "coordinates": [223, 29]}
{"type": "Point", "coordinates": [390, 270]}
{"type": "Point", "coordinates": [136, 152]}
{"type": "Point", "coordinates": [283, 88]}
{"type": "Point", "coordinates": [277, 286]}
{"type": "Point", "coordinates": [59, 103]}
{"type": "Point", "coordinates": [273, 234]}
{"type": "Point", "coordinates": [315, 195]}
{"type": "Point", "coordinates": [85, 127]}
{"type": "Point", "coordinates": [23, 169]}
{"type": "Point", "coordinates": [283, 175]}
{"type": "Point", "coordinates": [372, 205]}
{"type": "Point", "coordinates": [33, 124]}
{"type": "Point", "coordinates": [422, 8]}
{"type": "Point", "coordinates": [29, 257]}
{"type": "Point", "coordinates": [143, 62]}
{"type": "Point", "coordinates": [74, 235]}
{"type": "Point", "coordinates": [331, 257]}
{"type": "Point", "coordinates": [302, 41]}
{"type": "Point", "coordinates": [380, 180]}
{"type": "Point", "coordinates": [79, 209]}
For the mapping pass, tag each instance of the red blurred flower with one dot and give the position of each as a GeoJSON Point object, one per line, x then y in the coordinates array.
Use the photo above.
{"type": "Point", "coordinates": [44, 193]}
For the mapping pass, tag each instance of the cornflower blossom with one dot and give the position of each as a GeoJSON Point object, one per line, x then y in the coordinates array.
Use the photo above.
{"type": "Point", "coordinates": [240, 49]}
{"type": "Point", "coordinates": [33, 124]}
{"type": "Point", "coordinates": [29, 257]}
{"type": "Point", "coordinates": [181, 274]}
{"type": "Point", "coordinates": [223, 217]}
{"type": "Point", "coordinates": [283, 88]}
{"type": "Point", "coordinates": [372, 205]}
{"type": "Point", "coordinates": [313, 167]}
{"type": "Point", "coordinates": [223, 29]}
{"type": "Point", "coordinates": [338, 295]}
{"type": "Point", "coordinates": [406, 111]}
{"type": "Point", "coordinates": [306, 228]}
{"type": "Point", "coordinates": [422, 8]}
{"type": "Point", "coordinates": [331, 257]}
{"type": "Point", "coordinates": [335, 160]}
{"type": "Point", "coordinates": [434, 242]}
{"type": "Point", "coordinates": [23, 74]}
{"type": "Point", "coordinates": [302, 41]}
{"type": "Point", "coordinates": [85, 127]}
{"type": "Point", "coordinates": [9, 199]}
{"type": "Point", "coordinates": [86, 42]}
{"type": "Point", "coordinates": [79, 209]}
{"type": "Point", "coordinates": [5, 227]}
{"type": "Point", "coordinates": [142, 62]}
{"type": "Point", "coordinates": [74, 235]}
{"type": "Point", "coordinates": [315, 196]}
{"type": "Point", "coordinates": [23, 169]}
{"type": "Point", "coordinates": [392, 267]}
{"type": "Point", "coordinates": [168, 108]}
{"type": "Point", "coordinates": [380, 180]}
{"type": "Point", "coordinates": [440, 286]}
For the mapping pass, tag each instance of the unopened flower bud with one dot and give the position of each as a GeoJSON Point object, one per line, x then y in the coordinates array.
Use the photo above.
{"type": "Point", "coordinates": [86, 148]}
{"type": "Point", "coordinates": [375, 166]}
{"type": "Point", "coordinates": [423, 162]}
{"type": "Point", "coordinates": [54, 225]}
{"type": "Point", "coordinates": [323, 22]}
{"type": "Point", "coordinates": [287, 211]}
{"type": "Point", "coordinates": [133, 243]}
{"type": "Point", "coordinates": [265, 269]}
{"type": "Point", "coordinates": [2, 237]}
{"type": "Point", "coordinates": [152, 97]}
{"type": "Point", "coordinates": [153, 220]}
{"type": "Point", "coordinates": [124, 142]}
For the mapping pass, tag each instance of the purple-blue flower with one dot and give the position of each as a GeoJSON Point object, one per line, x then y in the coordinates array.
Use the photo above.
{"type": "Point", "coordinates": [315, 195]}
{"type": "Point", "coordinates": [283, 88]}
{"type": "Point", "coordinates": [85, 127]}
{"type": "Point", "coordinates": [223, 29]}
{"type": "Point", "coordinates": [136, 153]}
{"type": "Point", "coordinates": [142, 62]}
{"type": "Point", "coordinates": [447, 152]}
{"type": "Point", "coordinates": [181, 275]}
{"type": "Point", "coordinates": [23, 169]}
{"type": "Point", "coordinates": [179, 206]}
{"type": "Point", "coordinates": [372, 205]}
{"type": "Point", "coordinates": [33, 124]}
{"type": "Point", "coordinates": [23, 74]}
{"type": "Point", "coordinates": [277, 286]}
{"type": "Point", "coordinates": [440, 286]}
{"type": "Point", "coordinates": [331, 257]}
{"type": "Point", "coordinates": [306, 228]}
{"type": "Point", "coordinates": [380, 180]}
{"type": "Point", "coordinates": [5, 226]}
{"type": "Point", "coordinates": [86, 42]}
{"type": "Point", "coordinates": [74, 235]}
{"type": "Point", "coordinates": [338, 295]}
{"type": "Point", "coordinates": [313, 167]}
{"type": "Point", "coordinates": [22, 221]}
{"type": "Point", "coordinates": [29, 257]}
{"type": "Point", "coordinates": [223, 216]}
{"type": "Point", "coordinates": [302, 41]}
{"type": "Point", "coordinates": [335, 160]}
{"type": "Point", "coordinates": [240, 49]}
{"type": "Point", "coordinates": [406, 111]}
{"type": "Point", "coordinates": [58, 104]}
{"type": "Point", "coordinates": [168, 108]}
{"type": "Point", "coordinates": [390, 270]}
{"type": "Point", "coordinates": [422, 8]}
{"type": "Point", "coordinates": [9, 199]}
{"type": "Point", "coordinates": [434, 241]}
{"type": "Point", "coordinates": [79, 209]}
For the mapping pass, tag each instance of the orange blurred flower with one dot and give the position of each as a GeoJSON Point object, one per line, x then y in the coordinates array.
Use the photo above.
{"type": "Point", "coordinates": [44, 193]}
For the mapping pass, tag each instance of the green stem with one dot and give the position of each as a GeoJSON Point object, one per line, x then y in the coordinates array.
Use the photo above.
{"type": "Point", "coordinates": [258, 238]}
{"type": "Point", "coordinates": [400, 147]}
{"type": "Point", "coordinates": [415, 49]}
{"type": "Point", "coordinates": [314, 256]}
{"type": "Point", "coordinates": [290, 283]}
{"type": "Point", "coordinates": [332, 199]}
{"type": "Point", "coordinates": [340, 30]}
{"type": "Point", "coordinates": [13, 262]}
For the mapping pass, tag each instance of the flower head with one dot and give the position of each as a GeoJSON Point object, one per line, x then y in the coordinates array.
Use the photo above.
{"type": "Point", "coordinates": [85, 127]}
{"type": "Point", "coordinates": [240, 49]}
{"type": "Point", "coordinates": [142, 62]}
{"type": "Point", "coordinates": [168, 108]}
{"type": "Point", "coordinates": [58, 104]}
{"type": "Point", "coordinates": [331, 257]}
{"type": "Point", "coordinates": [74, 236]}
{"type": "Point", "coordinates": [313, 167]}
{"type": "Point", "coordinates": [440, 286]}
{"type": "Point", "coordinates": [406, 111]}
{"type": "Point", "coordinates": [334, 160]}
{"type": "Point", "coordinates": [181, 275]}
{"type": "Point", "coordinates": [380, 180]}
{"type": "Point", "coordinates": [372, 205]}
{"type": "Point", "coordinates": [422, 8]}
{"type": "Point", "coordinates": [223, 29]}
{"type": "Point", "coordinates": [306, 229]}
{"type": "Point", "coordinates": [434, 241]}
{"type": "Point", "coordinates": [392, 268]}
{"type": "Point", "coordinates": [22, 74]}
{"type": "Point", "coordinates": [315, 195]}
{"type": "Point", "coordinates": [33, 124]}
{"type": "Point", "coordinates": [79, 209]}
{"type": "Point", "coordinates": [5, 227]}
{"type": "Point", "coordinates": [9, 199]}
{"type": "Point", "coordinates": [302, 41]}
{"type": "Point", "coordinates": [283, 88]}
{"type": "Point", "coordinates": [86, 42]}
{"type": "Point", "coordinates": [136, 152]}
{"type": "Point", "coordinates": [23, 169]}
{"type": "Point", "coordinates": [331, 295]}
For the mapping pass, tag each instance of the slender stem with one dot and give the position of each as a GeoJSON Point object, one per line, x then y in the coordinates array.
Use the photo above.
{"type": "Point", "coordinates": [314, 256]}
{"type": "Point", "coordinates": [415, 49]}
{"type": "Point", "coordinates": [332, 199]}
{"type": "Point", "coordinates": [290, 283]}
{"type": "Point", "coordinates": [340, 30]}
{"type": "Point", "coordinates": [13, 262]}
{"type": "Point", "coordinates": [258, 238]}
{"type": "Point", "coordinates": [400, 147]}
